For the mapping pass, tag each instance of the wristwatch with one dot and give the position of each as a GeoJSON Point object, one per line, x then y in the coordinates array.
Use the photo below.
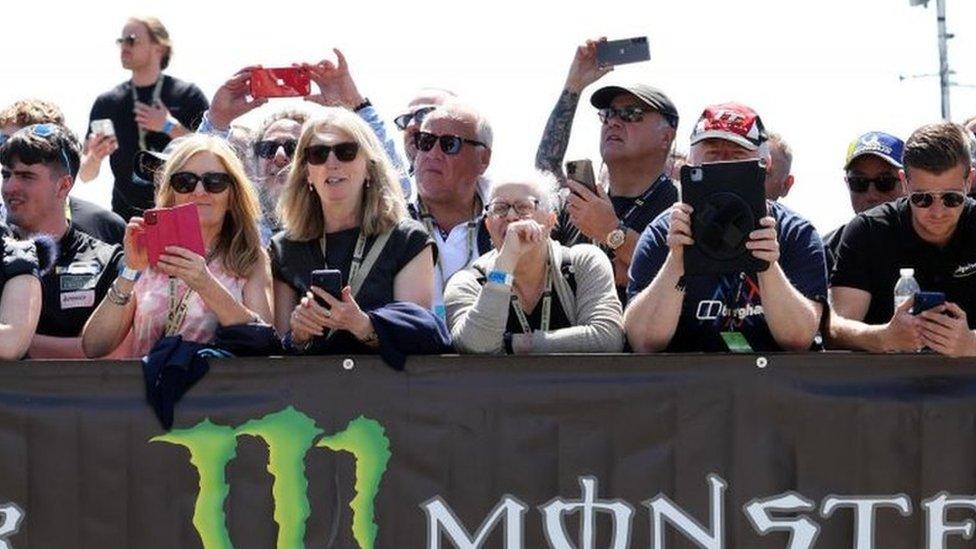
{"type": "Point", "coordinates": [617, 237]}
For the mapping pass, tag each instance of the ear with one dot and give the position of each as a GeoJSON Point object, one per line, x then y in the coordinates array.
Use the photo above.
{"type": "Point", "coordinates": [550, 221]}
{"type": "Point", "coordinates": [484, 160]}
{"type": "Point", "coordinates": [903, 176]}
{"type": "Point", "coordinates": [65, 182]}
{"type": "Point", "coordinates": [787, 185]}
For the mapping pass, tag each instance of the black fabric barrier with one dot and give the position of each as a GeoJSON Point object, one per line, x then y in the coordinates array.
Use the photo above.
{"type": "Point", "coordinates": [814, 450]}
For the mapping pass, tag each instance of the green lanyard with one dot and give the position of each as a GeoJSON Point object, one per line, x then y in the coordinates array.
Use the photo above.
{"type": "Point", "coordinates": [472, 237]}
{"type": "Point", "coordinates": [156, 95]}
{"type": "Point", "coordinates": [546, 306]}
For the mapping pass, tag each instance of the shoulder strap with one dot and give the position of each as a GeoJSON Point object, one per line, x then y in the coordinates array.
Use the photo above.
{"type": "Point", "coordinates": [369, 261]}
{"type": "Point", "coordinates": [565, 290]}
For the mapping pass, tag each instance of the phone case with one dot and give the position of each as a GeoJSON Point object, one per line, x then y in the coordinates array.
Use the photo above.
{"type": "Point", "coordinates": [329, 280]}
{"type": "Point", "coordinates": [620, 52]}
{"type": "Point", "coordinates": [282, 82]}
{"type": "Point", "coordinates": [582, 171]}
{"type": "Point", "coordinates": [728, 200]}
{"type": "Point", "coordinates": [927, 300]}
{"type": "Point", "coordinates": [176, 226]}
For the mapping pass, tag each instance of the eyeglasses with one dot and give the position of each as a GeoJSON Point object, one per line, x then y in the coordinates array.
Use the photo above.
{"type": "Point", "coordinates": [633, 113]}
{"type": "Point", "coordinates": [950, 199]}
{"type": "Point", "coordinates": [860, 183]}
{"type": "Point", "coordinates": [213, 182]}
{"type": "Point", "coordinates": [416, 116]}
{"type": "Point", "coordinates": [345, 152]}
{"type": "Point", "coordinates": [523, 208]}
{"type": "Point", "coordinates": [130, 40]}
{"type": "Point", "coordinates": [268, 149]}
{"type": "Point", "coordinates": [450, 144]}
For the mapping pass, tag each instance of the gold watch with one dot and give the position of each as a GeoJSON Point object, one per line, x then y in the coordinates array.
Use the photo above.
{"type": "Point", "coordinates": [617, 237]}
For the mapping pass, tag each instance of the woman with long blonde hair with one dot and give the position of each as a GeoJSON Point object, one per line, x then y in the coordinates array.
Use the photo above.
{"type": "Point", "coordinates": [188, 294]}
{"type": "Point", "coordinates": [342, 209]}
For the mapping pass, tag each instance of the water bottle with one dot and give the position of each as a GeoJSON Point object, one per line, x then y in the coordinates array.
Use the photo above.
{"type": "Point", "coordinates": [906, 288]}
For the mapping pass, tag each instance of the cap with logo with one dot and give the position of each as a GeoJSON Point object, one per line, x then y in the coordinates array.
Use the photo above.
{"type": "Point", "coordinates": [880, 144]}
{"type": "Point", "coordinates": [733, 122]}
{"type": "Point", "coordinates": [649, 95]}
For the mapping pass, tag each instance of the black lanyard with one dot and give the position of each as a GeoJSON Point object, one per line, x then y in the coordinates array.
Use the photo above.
{"type": "Point", "coordinates": [472, 237]}
{"type": "Point", "coordinates": [546, 305]}
{"type": "Point", "coordinates": [357, 255]}
{"type": "Point", "coordinates": [156, 95]}
{"type": "Point", "coordinates": [639, 201]}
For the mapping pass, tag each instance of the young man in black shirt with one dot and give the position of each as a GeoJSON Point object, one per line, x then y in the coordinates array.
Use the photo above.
{"type": "Point", "coordinates": [639, 124]}
{"type": "Point", "coordinates": [933, 231]}
{"type": "Point", "coordinates": [146, 111]}
{"type": "Point", "coordinates": [39, 164]}
{"type": "Point", "coordinates": [88, 217]}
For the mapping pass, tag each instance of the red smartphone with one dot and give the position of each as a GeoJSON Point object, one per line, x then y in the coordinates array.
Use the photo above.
{"type": "Point", "coordinates": [176, 226]}
{"type": "Point", "coordinates": [283, 82]}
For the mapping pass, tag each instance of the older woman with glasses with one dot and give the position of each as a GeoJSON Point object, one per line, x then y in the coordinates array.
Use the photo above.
{"type": "Point", "coordinates": [342, 211]}
{"type": "Point", "coordinates": [186, 293]}
{"type": "Point", "coordinates": [530, 294]}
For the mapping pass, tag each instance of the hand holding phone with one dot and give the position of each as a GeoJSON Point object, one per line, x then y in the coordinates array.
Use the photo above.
{"type": "Point", "coordinates": [581, 171]}
{"type": "Point", "coordinates": [103, 126]}
{"type": "Point", "coordinates": [329, 280]}
{"type": "Point", "coordinates": [280, 82]}
{"type": "Point", "coordinates": [927, 300]}
{"type": "Point", "coordinates": [176, 226]}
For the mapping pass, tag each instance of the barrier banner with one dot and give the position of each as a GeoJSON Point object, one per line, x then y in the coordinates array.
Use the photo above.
{"type": "Point", "coordinates": [831, 450]}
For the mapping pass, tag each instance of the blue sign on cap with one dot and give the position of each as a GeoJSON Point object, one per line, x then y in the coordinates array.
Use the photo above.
{"type": "Point", "coordinates": [883, 145]}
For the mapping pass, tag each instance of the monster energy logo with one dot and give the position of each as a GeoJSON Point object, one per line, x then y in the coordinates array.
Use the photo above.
{"type": "Point", "coordinates": [289, 435]}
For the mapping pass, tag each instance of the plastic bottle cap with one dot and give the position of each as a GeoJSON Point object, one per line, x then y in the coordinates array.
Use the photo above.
{"type": "Point", "coordinates": [906, 272]}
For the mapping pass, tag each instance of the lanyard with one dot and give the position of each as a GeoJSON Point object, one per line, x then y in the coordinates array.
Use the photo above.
{"type": "Point", "coordinates": [357, 255]}
{"type": "Point", "coordinates": [546, 305]}
{"type": "Point", "coordinates": [639, 201]}
{"type": "Point", "coordinates": [157, 93]}
{"type": "Point", "coordinates": [177, 309]}
{"type": "Point", "coordinates": [472, 236]}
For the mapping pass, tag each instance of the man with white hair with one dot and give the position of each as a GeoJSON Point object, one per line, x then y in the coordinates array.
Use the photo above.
{"type": "Point", "coordinates": [453, 152]}
{"type": "Point", "coordinates": [776, 309]}
{"type": "Point", "coordinates": [779, 180]}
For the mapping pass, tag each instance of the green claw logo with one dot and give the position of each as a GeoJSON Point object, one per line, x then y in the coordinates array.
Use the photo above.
{"type": "Point", "coordinates": [289, 434]}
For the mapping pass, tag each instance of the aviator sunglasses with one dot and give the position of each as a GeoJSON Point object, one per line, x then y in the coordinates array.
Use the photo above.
{"type": "Point", "coordinates": [950, 199]}
{"type": "Point", "coordinates": [416, 116]}
{"type": "Point", "coordinates": [127, 40]}
{"type": "Point", "coordinates": [344, 152]}
{"type": "Point", "coordinates": [213, 182]}
{"type": "Point", "coordinates": [450, 144]}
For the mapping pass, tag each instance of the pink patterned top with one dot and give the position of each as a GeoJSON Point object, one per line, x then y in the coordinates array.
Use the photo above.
{"type": "Point", "coordinates": [151, 293]}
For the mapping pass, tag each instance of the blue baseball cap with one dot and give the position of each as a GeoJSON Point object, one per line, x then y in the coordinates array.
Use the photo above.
{"type": "Point", "coordinates": [883, 145]}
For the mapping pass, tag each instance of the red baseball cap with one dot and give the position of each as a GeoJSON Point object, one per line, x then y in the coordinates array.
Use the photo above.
{"type": "Point", "coordinates": [733, 122]}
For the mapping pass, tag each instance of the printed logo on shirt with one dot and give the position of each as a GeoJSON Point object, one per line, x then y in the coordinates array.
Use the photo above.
{"type": "Point", "coordinates": [71, 283]}
{"type": "Point", "coordinates": [734, 304]}
{"type": "Point", "coordinates": [964, 271]}
{"type": "Point", "coordinates": [77, 300]}
{"type": "Point", "coordinates": [81, 268]}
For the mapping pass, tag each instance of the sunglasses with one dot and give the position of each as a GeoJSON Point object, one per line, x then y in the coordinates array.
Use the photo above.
{"type": "Point", "coordinates": [417, 117]}
{"type": "Point", "coordinates": [523, 208]}
{"type": "Point", "coordinates": [950, 199]}
{"type": "Point", "coordinates": [450, 144]}
{"type": "Point", "coordinates": [316, 155]}
{"type": "Point", "coordinates": [213, 182]}
{"type": "Point", "coordinates": [50, 132]}
{"type": "Point", "coordinates": [860, 183]}
{"type": "Point", "coordinates": [268, 149]}
{"type": "Point", "coordinates": [633, 113]}
{"type": "Point", "coordinates": [130, 40]}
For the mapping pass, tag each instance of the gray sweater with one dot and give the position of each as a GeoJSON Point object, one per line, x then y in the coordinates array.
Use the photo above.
{"type": "Point", "coordinates": [477, 314]}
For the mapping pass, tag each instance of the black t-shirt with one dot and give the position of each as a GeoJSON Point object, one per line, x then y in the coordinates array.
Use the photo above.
{"type": "Point", "coordinates": [293, 262]}
{"type": "Point", "coordinates": [879, 242]}
{"type": "Point", "coordinates": [660, 196]}
{"type": "Point", "coordinates": [82, 274]}
{"type": "Point", "coordinates": [184, 101]}
{"type": "Point", "coordinates": [19, 257]}
{"type": "Point", "coordinates": [831, 246]}
{"type": "Point", "coordinates": [94, 220]}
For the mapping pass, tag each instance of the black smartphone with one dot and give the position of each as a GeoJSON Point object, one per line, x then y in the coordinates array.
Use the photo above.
{"type": "Point", "coordinates": [581, 171]}
{"type": "Point", "coordinates": [620, 52]}
{"type": "Point", "coordinates": [329, 280]}
{"type": "Point", "coordinates": [927, 300]}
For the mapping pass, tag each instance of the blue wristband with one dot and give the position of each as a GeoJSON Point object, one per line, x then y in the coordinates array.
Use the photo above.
{"type": "Point", "coordinates": [500, 277]}
{"type": "Point", "coordinates": [168, 126]}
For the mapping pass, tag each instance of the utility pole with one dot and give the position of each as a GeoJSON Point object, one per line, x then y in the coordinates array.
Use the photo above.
{"type": "Point", "coordinates": [944, 36]}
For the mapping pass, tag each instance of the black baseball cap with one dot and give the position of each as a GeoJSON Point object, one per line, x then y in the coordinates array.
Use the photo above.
{"type": "Point", "coordinates": [649, 95]}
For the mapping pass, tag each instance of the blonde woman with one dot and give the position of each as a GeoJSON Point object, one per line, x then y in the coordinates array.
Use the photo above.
{"type": "Point", "coordinates": [187, 294]}
{"type": "Point", "coordinates": [341, 199]}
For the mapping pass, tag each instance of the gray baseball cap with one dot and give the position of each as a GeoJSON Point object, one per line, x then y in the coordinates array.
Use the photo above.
{"type": "Point", "coordinates": [651, 96]}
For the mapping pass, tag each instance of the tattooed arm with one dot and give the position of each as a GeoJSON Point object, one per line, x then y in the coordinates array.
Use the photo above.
{"type": "Point", "coordinates": [555, 138]}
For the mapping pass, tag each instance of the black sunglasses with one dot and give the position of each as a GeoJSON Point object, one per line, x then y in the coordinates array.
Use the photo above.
{"type": "Point", "coordinates": [632, 113]}
{"type": "Point", "coordinates": [127, 40]}
{"type": "Point", "coordinates": [450, 144]}
{"type": "Point", "coordinates": [416, 116]}
{"type": "Point", "coordinates": [344, 152]}
{"type": "Point", "coordinates": [213, 182]}
{"type": "Point", "coordinates": [860, 183]}
{"type": "Point", "coordinates": [268, 149]}
{"type": "Point", "coordinates": [950, 199]}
